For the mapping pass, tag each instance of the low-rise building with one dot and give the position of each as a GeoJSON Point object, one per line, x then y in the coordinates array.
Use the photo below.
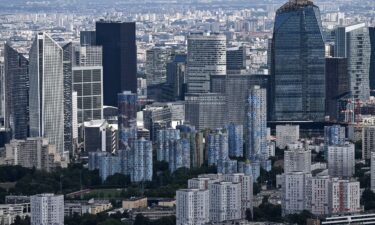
{"type": "Point", "coordinates": [134, 203]}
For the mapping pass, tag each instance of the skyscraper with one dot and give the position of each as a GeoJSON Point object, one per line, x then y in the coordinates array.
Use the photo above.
{"type": "Point", "coordinates": [257, 124]}
{"type": "Point", "coordinates": [235, 140]}
{"type": "Point", "coordinates": [87, 38]}
{"type": "Point", "coordinates": [192, 207]}
{"type": "Point", "coordinates": [87, 82]}
{"type": "Point", "coordinates": [297, 90]}
{"type": "Point", "coordinates": [372, 60]}
{"type": "Point", "coordinates": [156, 64]}
{"type": "Point", "coordinates": [206, 57]}
{"type": "Point", "coordinates": [341, 160]}
{"type": "Point", "coordinates": [141, 161]}
{"type": "Point", "coordinates": [127, 118]}
{"type": "Point", "coordinates": [16, 78]}
{"type": "Point", "coordinates": [68, 95]}
{"type": "Point", "coordinates": [176, 76]}
{"type": "Point", "coordinates": [46, 96]}
{"type": "Point", "coordinates": [118, 40]}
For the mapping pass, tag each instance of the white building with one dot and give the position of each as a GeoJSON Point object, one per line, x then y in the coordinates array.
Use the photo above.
{"type": "Point", "coordinates": [47, 209]}
{"type": "Point", "coordinates": [368, 141]}
{"type": "Point", "coordinates": [201, 183]}
{"type": "Point", "coordinates": [320, 186]}
{"type": "Point", "coordinates": [296, 194]}
{"type": "Point", "coordinates": [192, 207]}
{"type": "Point", "coordinates": [345, 196]}
{"type": "Point", "coordinates": [206, 57]}
{"type": "Point", "coordinates": [225, 201]}
{"type": "Point", "coordinates": [297, 160]}
{"type": "Point", "coordinates": [341, 160]}
{"type": "Point", "coordinates": [286, 134]}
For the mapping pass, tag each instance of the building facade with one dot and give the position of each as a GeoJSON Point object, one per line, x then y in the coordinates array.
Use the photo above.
{"type": "Point", "coordinates": [47, 209]}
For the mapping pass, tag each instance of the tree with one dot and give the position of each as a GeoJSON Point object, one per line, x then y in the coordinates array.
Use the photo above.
{"type": "Point", "coordinates": [141, 220]}
{"type": "Point", "coordinates": [110, 222]}
{"type": "Point", "coordinates": [368, 199]}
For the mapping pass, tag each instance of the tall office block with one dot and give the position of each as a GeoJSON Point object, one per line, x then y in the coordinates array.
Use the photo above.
{"type": "Point", "coordinates": [87, 38]}
{"type": "Point", "coordinates": [368, 141]}
{"type": "Point", "coordinates": [156, 64]}
{"type": "Point", "coordinates": [206, 57]}
{"type": "Point", "coordinates": [87, 82]}
{"type": "Point", "coordinates": [353, 43]}
{"type": "Point", "coordinates": [217, 144]}
{"type": "Point", "coordinates": [207, 110]}
{"type": "Point", "coordinates": [47, 209]}
{"type": "Point", "coordinates": [225, 201]}
{"type": "Point", "coordinates": [16, 92]}
{"type": "Point", "coordinates": [176, 76]}
{"type": "Point", "coordinates": [295, 192]}
{"type": "Point", "coordinates": [298, 160]}
{"type": "Point", "coordinates": [46, 96]}
{"type": "Point", "coordinates": [341, 160]}
{"type": "Point", "coordinates": [337, 85]}
{"type": "Point", "coordinates": [127, 118]}
{"type": "Point", "coordinates": [163, 141]}
{"type": "Point", "coordinates": [2, 99]}
{"type": "Point", "coordinates": [372, 60]}
{"type": "Point", "coordinates": [192, 207]}
{"type": "Point", "coordinates": [141, 161]}
{"type": "Point", "coordinates": [68, 91]}
{"type": "Point", "coordinates": [235, 140]}
{"type": "Point", "coordinates": [237, 88]}
{"type": "Point", "coordinates": [286, 134]}
{"type": "Point", "coordinates": [236, 60]}
{"type": "Point", "coordinates": [118, 40]}
{"type": "Point", "coordinates": [257, 124]}
{"type": "Point", "coordinates": [372, 171]}
{"type": "Point", "coordinates": [297, 91]}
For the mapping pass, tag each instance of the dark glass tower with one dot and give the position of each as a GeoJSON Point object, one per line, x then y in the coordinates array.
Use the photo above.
{"type": "Point", "coordinates": [297, 90]}
{"type": "Point", "coordinates": [372, 60]}
{"type": "Point", "coordinates": [127, 118]}
{"type": "Point", "coordinates": [16, 93]}
{"type": "Point", "coordinates": [119, 58]}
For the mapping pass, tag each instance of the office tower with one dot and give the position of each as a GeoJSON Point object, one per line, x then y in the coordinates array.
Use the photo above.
{"type": "Point", "coordinates": [87, 82]}
{"type": "Point", "coordinates": [176, 76]}
{"type": "Point", "coordinates": [257, 124]}
{"type": "Point", "coordinates": [156, 64]}
{"type": "Point", "coordinates": [225, 201]}
{"type": "Point", "coordinates": [47, 209]}
{"type": "Point", "coordinates": [237, 90]}
{"type": "Point", "coordinates": [217, 147]}
{"type": "Point", "coordinates": [353, 43]}
{"type": "Point", "coordinates": [207, 110]}
{"type": "Point", "coordinates": [246, 190]}
{"type": "Point", "coordinates": [372, 171]}
{"type": "Point", "coordinates": [46, 96]}
{"type": "Point", "coordinates": [141, 88]}
{"type": "Point", "coordinates": [95, 136]}
{"type": "Point", "coordinates": [163, 138]}
{"type": "Point", "coordinates": [236, 60]}
{"type": "Point", "coordinates": [341, 160]}
{"type": "Point", "coordinates": [109, 165]}
{"type": "Point", "coordinates": [320, 186]}
{"type": "Point", "coordinates": [68, 91]}
{"type": "Point", "coordinates": [192, 207]}
{"type": "Point", "coordinates": [297, 90]}
{"type": "Point", "coordinates": [368, 141]}
{"type": "Point", "coordinates": [141, 161]}
{"type": "Point", "coordinates": [127, 118]}
{"type": "Point", "coordinates": [372, 59]}
{"type": "Point", "coordinates": [298, 160]}
{"type": "Point", "coordinates": [16, 92]}
{"type": "Point", "coordinates": [33, 153]}
{"type": "Point", "coordinates": [75, 119]}
{"type": "Point", "coordinates": [179, 156]}
{"type": "Point", "coordinates": [235, 140]}
{"type": "Point", "coordinates": [87, 38]}
{"type": "Point", "coordinates": [118, 40]}
{"type": "Point", "coordinates": [2, 87]}
{"type": "Point", "coordinates": [337, 85]}
{"type": "Point", "coordinates": [295, 192]}
{"type": "Point", "coordinates": [196, 140]}
{"type": "Point", "coordinates": [206, 57]}
{"type": "Point", "coordinates": [345, 196]}
{"type": "Point", "coordinates": [286, 134]}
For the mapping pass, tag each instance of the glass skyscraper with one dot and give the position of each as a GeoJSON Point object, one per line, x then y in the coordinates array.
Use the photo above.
{"type": "Point", "coordinates": [127, 118]}
{"type": "Point", "coordinates": [16, 92]}
{"type": "Point", "coordinates": [297, 90]}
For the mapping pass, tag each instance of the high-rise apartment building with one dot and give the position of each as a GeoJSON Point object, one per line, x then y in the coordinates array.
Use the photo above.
{"type": "Point", "coordinates": [257, 124]}
{"type": "Point", "coordinates": [156, 64]}
{"type": "Point", "coordinates": [320, 194]}
{"type": "Point", "coordinates": [341, 160]}
{"type": "Point", "coordinates": [368, 141]}
{"type": "Point", "coordinates": [88, 82]}
{"type": "Point", "coordinates": [16, 92]}
{"type": "Point", "coordinates": [127, 118]}
{"type": "Point", "coordinates": [286, 134]}
{"type": "Point", "coordinates": [206, 57]}
{"type": "Point", "coordinates": [345, 196]}
{"type": "Point", "coordinates": [47, 209]}
{"type": "Point", "coordinates": [217, 147]}
{"type": "Point", "coordinates": [46, 95]}
{"type": "Point", "coordinates": [297, 90]}
{"type": "Point", "coordinates": [206, 110]}
{"type": "Point", "coordinates": [179, 155]}
{"type": "Point", "coordinates": [163, 141]}
{"type": "Point", "coordinates": [140, 161]}
{"type": "Point", "coordinates": [235, 140]}
{"type": "Point", "coordinates": [297, 160]}
{"type": "Point", "coordinates": [192, 207]}
{"type": "Point", "coordinates": [118, 40]}
{"type": "Point", "coordinates": [196, 140]}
